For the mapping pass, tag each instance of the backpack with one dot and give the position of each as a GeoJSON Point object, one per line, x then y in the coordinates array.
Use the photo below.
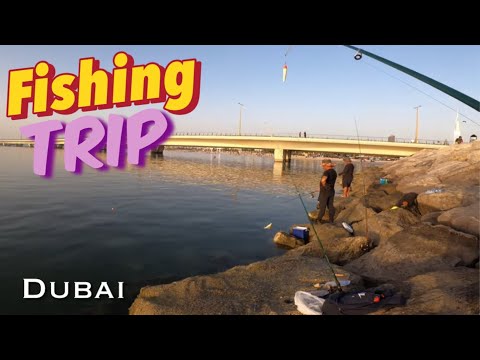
{"type": "Point", "coordinates": [360, 302]}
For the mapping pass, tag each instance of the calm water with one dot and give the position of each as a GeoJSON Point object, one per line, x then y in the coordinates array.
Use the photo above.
{"type": "Point", "coordinates": [181, 215]}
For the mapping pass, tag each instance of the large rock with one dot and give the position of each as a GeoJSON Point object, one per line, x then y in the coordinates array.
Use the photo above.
{"type": "Point", "coordinates": [464, 219]}
{"type": "Point", "coordinates": [328, 232]}
{"type": "Point", "coordinates": [474, 157]}
{"type": "Point", "coordinates": [287, 241]}
{"type": "Point", "coordinates": [463, 176]}
{"type": "Point", "coordinates": [339, 251]}
{"type": "Point", "coordinates": [450, 197]}
{"type": "Point", "coordinates": [385, 224]}
{"type": "Point", "coordinates": [431, 218]}
{"type": "Point", "coordinates": [262, 288]}
{"type": "Point", "coordinates": [457, 165]}
{"type": "Point", "coordinates": [418, 183]}
{"type": "Point", "coordinates": [354, 212]}
{"type": "Point", "coordinates": [389, 188]}
{"type": "Point", "coordinates": [447, 168]}
{"type": "Point", "coordinates": [444, 292]}
{"type": "Point", "coordinates": [380, 200]}
{"type": "Point", "coordinates": [416, 250]}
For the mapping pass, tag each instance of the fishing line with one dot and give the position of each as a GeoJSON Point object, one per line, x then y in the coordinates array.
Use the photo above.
{"type": "Point", "coordinates": [288, 50]}
{"type": "Point", "coordinates": [423, 92]}
{"type": "Point", "coordinates": [318, 238]}
{"type": "Point", "coordinates": [363, 180]}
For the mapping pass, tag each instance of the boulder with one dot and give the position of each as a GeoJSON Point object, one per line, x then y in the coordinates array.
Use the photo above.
{"type": "Point", "coordinates": [379, 200]}
{"type": "Point", "coordinates": [287, 241]}
{"type": "Point", "coordinates": [431, 218]}
{"type": "Point", "coordinates": [262, 288]}
{"type": "Point", "coordinates": [474, 157]}
{"type": "Point", "coordinates": [385, 224]}
{"type": "Point", "coordinates": [340, 251]}
{"type": "Point", "coordinates": [447, 168]}
{"type": "Point", "coordinates": [465, 176]}
{"type": "Point", "coordinates": [389, 188]}
{"type": "Point", "coordinates": [419, 183]}
{"type": "Point", "coordinates": [465, 219]}
{"type": "Point", "coordinates": [327, 232]}
{"type": "Point", "coordinates": [354, 212]}
{"type": "Point", "coordinates": [416, 250]}
{"type": "Point", "coordinates": [450, 197]}
{"type": "Point", "coordinates": [443, 292]}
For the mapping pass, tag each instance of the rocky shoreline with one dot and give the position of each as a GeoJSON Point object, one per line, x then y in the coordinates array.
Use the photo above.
{"type": "Point", "coordinates": [432, 258]}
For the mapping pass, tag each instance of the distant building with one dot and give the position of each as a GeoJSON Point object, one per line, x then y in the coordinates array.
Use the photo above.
{"type": "Point", "coordinates": [391, 138]}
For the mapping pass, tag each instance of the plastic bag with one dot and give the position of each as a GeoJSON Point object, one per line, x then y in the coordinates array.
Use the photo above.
{"type": "Point", "coordinates": [308, 304]}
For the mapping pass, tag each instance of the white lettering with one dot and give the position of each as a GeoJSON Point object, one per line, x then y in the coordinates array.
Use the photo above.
{"type": "Point", "coordinates": [104, 292]}
{"type": "Point", "coordinates": [26, 293]}
{"type": "Point", "coordinates": [120, 289]}
{"type": "Point", "coordinates": [65, 290]}
{"type": "Point", "coordinates": [85, 289]}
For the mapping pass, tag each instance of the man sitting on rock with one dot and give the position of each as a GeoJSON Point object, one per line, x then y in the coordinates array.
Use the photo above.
{"type": "Point", "coordinates": [408, 202]}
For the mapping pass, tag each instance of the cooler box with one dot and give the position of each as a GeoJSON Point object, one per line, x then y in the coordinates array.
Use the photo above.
{"type": "Point", "coordinates": [301, 233]}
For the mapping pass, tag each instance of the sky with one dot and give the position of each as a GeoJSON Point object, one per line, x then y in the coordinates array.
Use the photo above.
{"type": "Point", "coordinates": [327, 92]}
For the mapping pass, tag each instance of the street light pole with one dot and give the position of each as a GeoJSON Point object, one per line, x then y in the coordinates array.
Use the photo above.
{"type": "Point", "coordinates": [240, 121]}
{"type": "Point", "coordinates": [416, 127]}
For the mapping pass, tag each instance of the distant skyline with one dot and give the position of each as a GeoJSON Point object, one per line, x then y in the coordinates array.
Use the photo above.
{"type": "Point", "coordinates": [325, 90]}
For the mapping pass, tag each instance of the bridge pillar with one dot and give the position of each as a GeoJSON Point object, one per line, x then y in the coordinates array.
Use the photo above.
{"type": "Point", "coordinates": [289, 156]}
{"type": "Point", "coordinates": [279, 155]}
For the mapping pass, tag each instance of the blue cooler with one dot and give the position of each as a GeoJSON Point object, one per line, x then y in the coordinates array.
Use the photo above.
{"type": "Point", "coordinates": [301, 232]}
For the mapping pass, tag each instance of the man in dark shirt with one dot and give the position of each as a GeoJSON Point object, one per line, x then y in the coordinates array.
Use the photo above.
{"type": "Point", "coordinates": [347, 176]}
{"type": "Point", "coordinates": [409, 202]}
{"type": "Point", "coordinates": [327, 190]}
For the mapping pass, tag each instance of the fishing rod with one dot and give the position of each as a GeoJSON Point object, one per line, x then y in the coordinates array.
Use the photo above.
{"type": "Point", "coordinates": [467, 100]}
{"type": "Point", "coordinates": [318, 239]}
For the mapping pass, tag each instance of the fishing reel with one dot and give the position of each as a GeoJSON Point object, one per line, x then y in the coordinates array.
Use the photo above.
{"type": "Point", "coordinates": [358, 55]}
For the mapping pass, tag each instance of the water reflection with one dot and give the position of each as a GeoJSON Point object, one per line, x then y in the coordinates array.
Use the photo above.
{"type": "Point", "coordinates": [183, 214]}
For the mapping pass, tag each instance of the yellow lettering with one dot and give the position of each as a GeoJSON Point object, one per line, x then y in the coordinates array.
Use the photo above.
{"type": "Point", "coordinates": [18, 94]}
{"type": "Point", "coordinates": [92, 79]}
{"type": "Point", "coordinates": [120, 78]}
{"type": "Point", "coordinates": [151, 73]}
{"type": "Point", "coordinates": [180, 85]}
{"type": "Point", "coordinates": [65, 97]}
{"type": "Point", "coordinates": [40, 95]}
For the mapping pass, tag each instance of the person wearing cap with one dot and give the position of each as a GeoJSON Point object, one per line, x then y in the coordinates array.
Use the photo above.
{"type": "Point", "coordinates": [347, 176]}
{"type": "Point", "coordinates": [327, 190]}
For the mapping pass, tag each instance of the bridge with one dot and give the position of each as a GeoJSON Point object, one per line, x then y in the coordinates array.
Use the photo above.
{"type": "Point", "coordinates": [284, 145]}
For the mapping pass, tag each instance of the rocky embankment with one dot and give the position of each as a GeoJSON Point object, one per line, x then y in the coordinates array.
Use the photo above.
{"type": "Point", "coordinates": [431, 258]}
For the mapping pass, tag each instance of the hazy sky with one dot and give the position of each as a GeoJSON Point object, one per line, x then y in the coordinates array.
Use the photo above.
{"type": "Point", "coordinates": [325, 91]}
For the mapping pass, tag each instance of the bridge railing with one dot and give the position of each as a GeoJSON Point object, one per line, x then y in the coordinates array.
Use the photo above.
{"type": "Point", "coordinates": [316, 136]}
{"type": "Point", "coordinates": [297, 136]}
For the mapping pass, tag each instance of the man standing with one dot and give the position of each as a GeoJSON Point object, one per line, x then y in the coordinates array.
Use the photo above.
{"type": "Point", "coordinates": [327, 190]}
{"type": "Point", "coordinates": [347, 176]}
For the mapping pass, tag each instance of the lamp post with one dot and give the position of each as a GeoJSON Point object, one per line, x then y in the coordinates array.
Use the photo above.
{"type": "Point", "coordinates": [416, 127]}
{"type": "Point", "coordinates": [240, 120]}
